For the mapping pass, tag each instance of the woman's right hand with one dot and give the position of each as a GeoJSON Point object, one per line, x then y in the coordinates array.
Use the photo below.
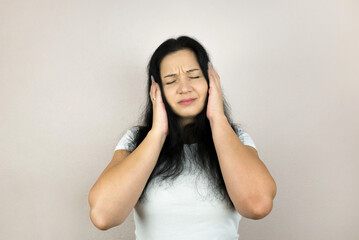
{"type": "Point", "coordinates": [159, 120]}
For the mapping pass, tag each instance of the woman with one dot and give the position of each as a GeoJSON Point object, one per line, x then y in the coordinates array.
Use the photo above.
{"type": "Point", "coordinates": [188, 171]}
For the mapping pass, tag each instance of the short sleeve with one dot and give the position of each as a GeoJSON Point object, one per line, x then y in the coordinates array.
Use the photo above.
{"type": "Point", "coordinates": [127, 140]}
{"type": "Point", "coordinates": [244, 137]}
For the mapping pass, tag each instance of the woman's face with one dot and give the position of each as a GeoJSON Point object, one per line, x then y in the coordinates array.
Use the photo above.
{"type": "Point", "coordinates": [182, 78]}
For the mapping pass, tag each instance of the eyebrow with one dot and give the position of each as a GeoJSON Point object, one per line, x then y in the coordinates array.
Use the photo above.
{"type": "Point", "coordinates": [171, 75]}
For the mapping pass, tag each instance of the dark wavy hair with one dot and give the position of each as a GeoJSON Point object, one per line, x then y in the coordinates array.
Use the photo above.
{"type": "Point", "coordinates": [170, 163]}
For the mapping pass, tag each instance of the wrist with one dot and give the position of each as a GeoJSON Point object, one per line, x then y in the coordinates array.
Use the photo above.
{"type": "Point", "coordinates": [157, 136]}
{"type": "Point", "coordinates": [218, 120]}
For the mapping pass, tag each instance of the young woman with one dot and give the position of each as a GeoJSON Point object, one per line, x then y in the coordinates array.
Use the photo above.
{"type": "Point", "coordinates": [187, 170]}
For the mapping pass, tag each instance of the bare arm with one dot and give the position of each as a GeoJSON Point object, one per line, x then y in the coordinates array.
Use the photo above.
{"type": "Point", "coordinates": [248, 181]}
{"type": "Point", "coordinates": [119, 187]}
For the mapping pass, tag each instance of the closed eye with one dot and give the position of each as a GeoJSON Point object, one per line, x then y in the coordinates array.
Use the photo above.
{"type": "Point", "coordinates": [175, 80]}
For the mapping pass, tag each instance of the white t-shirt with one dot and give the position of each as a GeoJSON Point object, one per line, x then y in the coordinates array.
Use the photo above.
{"type": "Point", "coordinates": [186, 209]}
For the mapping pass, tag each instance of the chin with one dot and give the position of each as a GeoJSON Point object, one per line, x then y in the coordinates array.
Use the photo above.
{"type": "Point", "coordinates": [189, 114]}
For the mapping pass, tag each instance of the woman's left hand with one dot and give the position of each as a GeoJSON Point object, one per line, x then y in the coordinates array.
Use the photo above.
{"type": "Point", "coordinates": [215, 99]}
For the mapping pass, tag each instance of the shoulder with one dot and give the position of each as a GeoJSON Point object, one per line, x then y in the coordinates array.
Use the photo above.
{"type": "Point", "coordinates": [245, 138]}
{"type": "Point", "coordinates": [132, 130]}
{"type": "Point", "coordinates": [238, 129]}
{"type": "Point", "coordinates": [127, 141]}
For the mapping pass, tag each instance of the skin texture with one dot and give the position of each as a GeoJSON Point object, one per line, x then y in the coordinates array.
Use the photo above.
{"type": "Point", "coordinates": [184, 84]}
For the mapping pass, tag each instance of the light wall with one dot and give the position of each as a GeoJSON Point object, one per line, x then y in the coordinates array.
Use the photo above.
{"type": "Point", "coordinates": [73, 77]}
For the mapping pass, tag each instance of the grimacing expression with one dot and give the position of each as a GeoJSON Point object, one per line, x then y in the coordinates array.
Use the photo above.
{"type": "Point", "coordinates": [182, 78]}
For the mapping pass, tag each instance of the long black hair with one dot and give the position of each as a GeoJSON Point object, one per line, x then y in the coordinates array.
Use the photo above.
{"type": "Point", "coordinates": [170, 162]}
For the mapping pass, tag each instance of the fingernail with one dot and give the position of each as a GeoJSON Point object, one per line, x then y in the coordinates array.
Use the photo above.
{"type": "Point", "coordinates": [209, 64]}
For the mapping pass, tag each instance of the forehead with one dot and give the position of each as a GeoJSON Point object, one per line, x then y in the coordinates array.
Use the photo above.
{"type": "Point", "coordinates": [182, 59]}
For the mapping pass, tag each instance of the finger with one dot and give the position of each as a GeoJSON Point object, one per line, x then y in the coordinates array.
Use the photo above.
{"type": "Point", "coordinates": [215, 77]}
{"type": "Point", "coordinates": [210, 78]}
{"type": "Point", "coordinates": [212, 81]}
{"type": "Point", "coordinates": [155, 95]}
{"type": "Point", "coordinates": [158, 95]}
{"type": "Point", "coordinates": [153, 89]}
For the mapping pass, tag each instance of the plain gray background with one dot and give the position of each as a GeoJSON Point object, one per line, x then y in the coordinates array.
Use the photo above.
{"type": "Point", "coordinates": [73, 77]}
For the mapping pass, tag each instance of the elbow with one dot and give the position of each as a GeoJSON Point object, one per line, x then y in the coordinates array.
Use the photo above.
{"type": "Point", "coordinates": [98, 221]}
{"type": "Point", "coordinates": [99, 218]}
{"type": "Point", "coordinates": [262, 210]}
{"type": "Point", "coordinates": [101, 222]}
{"type": "Point", "coordinates": [255, 207]}
{"type": "Point", "coordinates": [94, 215]}
{"type": "Point", "coordinates": [103, 219]}
{"type": "Point", "coordinates": [265, 205]}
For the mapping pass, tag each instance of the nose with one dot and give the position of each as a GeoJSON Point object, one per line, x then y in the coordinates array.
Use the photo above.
{"type": "Point", "coordinates": [184, 84]}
